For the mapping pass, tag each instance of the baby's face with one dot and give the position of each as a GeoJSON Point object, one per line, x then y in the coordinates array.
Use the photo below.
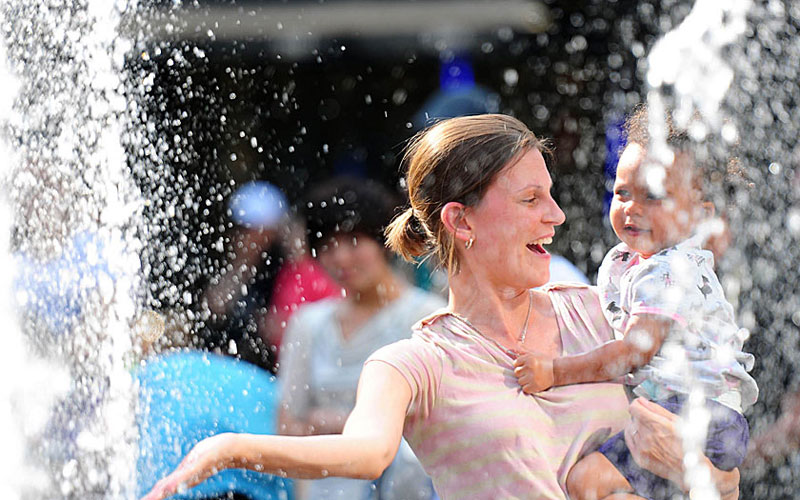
{"type": "Point", "coordinates": [653, 207]}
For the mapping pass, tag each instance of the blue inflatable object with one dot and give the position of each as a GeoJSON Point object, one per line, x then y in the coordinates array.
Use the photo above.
{"type": "Point", "coordinates": [187, 396]}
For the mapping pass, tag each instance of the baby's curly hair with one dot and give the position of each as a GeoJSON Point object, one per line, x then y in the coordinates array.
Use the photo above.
{"type": "Point", "coordinates": [718, 170]}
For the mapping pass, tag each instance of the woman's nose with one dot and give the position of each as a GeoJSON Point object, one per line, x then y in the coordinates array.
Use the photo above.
{"type": "Point", "coordinates": [555, 215]}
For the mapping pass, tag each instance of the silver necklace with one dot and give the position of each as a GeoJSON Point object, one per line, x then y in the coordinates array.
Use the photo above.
{"type": "Point", "coordinates": [527, 317]}
{"type": "Point", "coordinates": [522, 334]}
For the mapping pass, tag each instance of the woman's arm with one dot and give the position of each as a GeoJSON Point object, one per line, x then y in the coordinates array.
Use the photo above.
{"type": "Point", "coordinates": [655, 444]}
{"type": "Point", "coordinates": [366, 447]}
{"type": "Point", "coordinates": [320, 421]}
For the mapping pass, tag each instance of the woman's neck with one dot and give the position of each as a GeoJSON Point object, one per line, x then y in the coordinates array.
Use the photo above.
{"type": "Point", "coordinates": [499, 313]}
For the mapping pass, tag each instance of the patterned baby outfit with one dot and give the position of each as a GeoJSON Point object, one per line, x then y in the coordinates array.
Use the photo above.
{"type": "Point", "coordinates": [680, 283]}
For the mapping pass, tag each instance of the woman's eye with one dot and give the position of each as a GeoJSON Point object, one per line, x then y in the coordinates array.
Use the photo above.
{"type": "Point", "coordinates": [622, 193]}
{"type": "Point", "coordinates": [654, 197]}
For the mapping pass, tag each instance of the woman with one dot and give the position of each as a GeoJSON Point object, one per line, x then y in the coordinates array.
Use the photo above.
{"type": "Point", "coordinates": [327, 342]}
{"type": "Point", "coordinates": [480, 201]}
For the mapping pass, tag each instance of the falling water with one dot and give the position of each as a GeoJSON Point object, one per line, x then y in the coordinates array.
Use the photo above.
{"type": "Point", "coordinates": [686, 67]}
{"type": "Point", "coordinates": [15, 363]}
{"type": "Point", "coordinates": [73, 212]}
{"type": "Point", "coordinates": [728, 71]}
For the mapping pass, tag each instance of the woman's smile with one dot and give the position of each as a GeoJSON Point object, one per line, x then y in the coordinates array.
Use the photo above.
{"type": "Point", "coordinates": [538, 245]}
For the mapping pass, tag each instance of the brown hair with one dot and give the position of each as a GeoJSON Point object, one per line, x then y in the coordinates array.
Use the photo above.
{"type": "Point", "coordinates": [455, 160]}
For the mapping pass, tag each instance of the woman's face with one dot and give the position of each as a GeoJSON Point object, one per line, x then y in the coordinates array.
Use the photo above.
{"type": "Point", "coordinates": [515, 218]}
{"type": "Point", "coordinates": [356, 261]}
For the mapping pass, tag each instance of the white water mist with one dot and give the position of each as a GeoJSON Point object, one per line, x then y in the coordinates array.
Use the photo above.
{"type": "Point", "coordinates": [74, 212]}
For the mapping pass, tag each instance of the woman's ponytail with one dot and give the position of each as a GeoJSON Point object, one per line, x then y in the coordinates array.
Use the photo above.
{"type": "Point", "coordinates": [406, 236]}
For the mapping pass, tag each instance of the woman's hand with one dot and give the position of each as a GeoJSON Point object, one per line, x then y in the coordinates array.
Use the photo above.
{"type": "Point", "coordinates": [204, 460]}
{"type": "Point", "coordinates": [654, 441]}
{"type": "Point", "coordinates": [655, 444]}
{"type": "Point", "coordinates": [534, 372]}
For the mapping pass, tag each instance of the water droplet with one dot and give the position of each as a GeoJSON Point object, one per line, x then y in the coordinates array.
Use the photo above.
{"type": "Point", "coordinates": [511, 76]}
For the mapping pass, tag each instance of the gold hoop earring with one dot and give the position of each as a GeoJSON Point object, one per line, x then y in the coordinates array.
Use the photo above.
{"type": "Point", "coordinates": [469, 242]}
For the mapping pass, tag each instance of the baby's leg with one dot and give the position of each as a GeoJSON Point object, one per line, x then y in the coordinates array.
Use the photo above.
{"type": "Point", "coordinates": [728, 434]}
{"type": "Point", "coordinates": [594, 477]}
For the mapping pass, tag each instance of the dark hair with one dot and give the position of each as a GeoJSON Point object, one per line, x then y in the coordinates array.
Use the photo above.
{"type": "Point", "coordinates": [637, 130]}
{"type": "Point", "coordinates": [346, 205]}
{"type": "Point", "coordinates": [454, 160]}
{"type": "Point", "coordinates": [717, 171]}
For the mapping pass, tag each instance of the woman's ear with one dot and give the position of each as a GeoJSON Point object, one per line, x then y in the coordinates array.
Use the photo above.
{"type": "Point", "coordinates": [452, 215]}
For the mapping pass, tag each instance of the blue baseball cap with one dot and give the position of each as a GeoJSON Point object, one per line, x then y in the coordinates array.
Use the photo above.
{"type": "Point", "coordinates": [258, 204]}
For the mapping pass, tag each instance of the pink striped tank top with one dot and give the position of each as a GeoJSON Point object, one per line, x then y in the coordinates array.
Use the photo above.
{"type": "Point", "coordinates": [477, 435]}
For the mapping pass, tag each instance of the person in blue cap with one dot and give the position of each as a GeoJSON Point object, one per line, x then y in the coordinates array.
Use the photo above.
{"type": "Point", "coordinates": [238, 299]}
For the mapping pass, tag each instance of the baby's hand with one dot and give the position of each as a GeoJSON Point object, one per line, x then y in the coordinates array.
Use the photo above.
{"type": "Point", "coordinates": [534, 372]}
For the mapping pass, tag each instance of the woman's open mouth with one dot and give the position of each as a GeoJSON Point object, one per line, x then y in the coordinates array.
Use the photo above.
{"type": "Point", "coordinates": [538, 245]}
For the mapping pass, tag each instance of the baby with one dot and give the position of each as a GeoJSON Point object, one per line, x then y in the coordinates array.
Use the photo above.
{"type": "Point", "coordinates": [674, 328]}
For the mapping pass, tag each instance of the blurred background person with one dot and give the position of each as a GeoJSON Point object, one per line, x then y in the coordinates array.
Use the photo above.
{"type": "Point", "coordinates": [778, 443]}
{"type": "Point", "coordinates": [268, 276]}
{"type": "Point", "coordinates": [562, 269]}
{"type": "Point", "coordinates": [63, 290]}
{"type": "Point", "coordinates": [299, 280]}
{"type": "Point", "coordinates": [328, 341]}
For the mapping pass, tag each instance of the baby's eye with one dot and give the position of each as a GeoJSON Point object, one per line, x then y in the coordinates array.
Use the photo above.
{"type": "Point", "coordinates": [622, 193]}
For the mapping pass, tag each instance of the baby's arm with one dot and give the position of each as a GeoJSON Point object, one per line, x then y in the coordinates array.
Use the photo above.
{"type": "Point", "coordinates": [643, 338]}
